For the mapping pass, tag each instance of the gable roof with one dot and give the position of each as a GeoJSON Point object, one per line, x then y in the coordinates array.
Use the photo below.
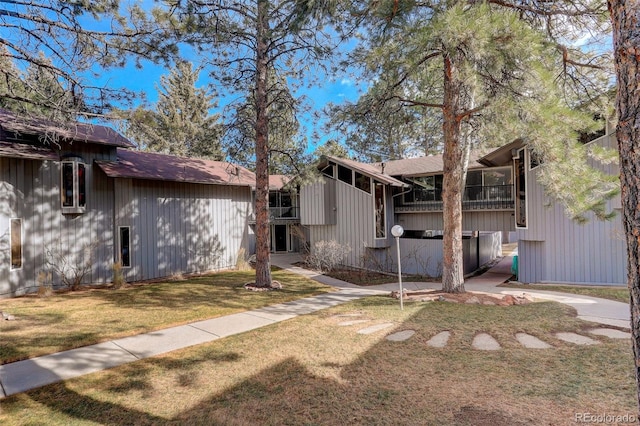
{"type": "Point", "coordinates": [72, 132]}
{"type": "Point", "coordinates": [367, 169]}
{"type": "Point", "coordinates": [154, 166]}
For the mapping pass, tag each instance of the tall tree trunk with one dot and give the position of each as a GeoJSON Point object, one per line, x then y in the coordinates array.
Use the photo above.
{"type": "Point", "coordinates": [263, 265]}
{"type": "Point", "coordinates": [452, 267]}
{"type": "Point", "coordinates": [625, 16]}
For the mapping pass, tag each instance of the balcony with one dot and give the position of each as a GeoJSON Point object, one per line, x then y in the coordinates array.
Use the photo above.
{"type": "Point", "coordinates": [280, 214]}
{"type": "Point", "coordinates": [498, 197]}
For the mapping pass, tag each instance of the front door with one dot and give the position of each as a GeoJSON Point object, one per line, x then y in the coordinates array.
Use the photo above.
{"type": "Point", "coordinates": [279, 238]}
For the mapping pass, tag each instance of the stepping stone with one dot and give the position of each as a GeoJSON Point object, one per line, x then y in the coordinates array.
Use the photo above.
{"type": "Point", "coordinates": [611, 333]}
{"type": "Point", "coordinates": [576, 339]}
{"type": "Point", "coordinates": [401, 336]}
{"type": "Point", "coordinates": [375, 328]}
{"type": "Point", "coordinates": [353, 322]}
{"type": "Point", "coordinates": [485, 342]}
{"type": "Point", "coordinates": [439, 340]}
{"type": "Point", "coordinates": [531, 342]}
{"type": "Point", "coordinates": [355, 314]}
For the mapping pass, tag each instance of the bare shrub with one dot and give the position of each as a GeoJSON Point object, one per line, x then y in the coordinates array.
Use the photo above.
{"type": "Point", "coordinates": [71, 268]}
{"type": "Point", "coordinates": [45, 287]}
{"type": "Point", "coordinates": [118, 275]}
{"type": "Point", "coordinates": [242, 264]}
{"type": "Point", "coordinates": [326, 255]}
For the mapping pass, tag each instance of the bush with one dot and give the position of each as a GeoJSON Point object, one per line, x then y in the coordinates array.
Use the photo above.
{"type": "Point", "coordinates": [118, 275]}
{"type": "Point", "coordinates": [326, 255]}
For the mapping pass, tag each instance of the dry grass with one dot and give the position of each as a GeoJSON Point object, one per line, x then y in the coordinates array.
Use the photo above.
{"type": "Point", "coordinates": [619, 294]}
{"type": "Point", "coordinates": [74, 319]}
{"type": "Point", "coordinates": [310, 370]}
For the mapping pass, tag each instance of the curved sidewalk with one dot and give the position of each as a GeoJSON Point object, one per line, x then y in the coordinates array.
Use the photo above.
{"type": "Point", "coordinates": [36, 372]}
{"type": "Point", "coordinates": [602, 311]}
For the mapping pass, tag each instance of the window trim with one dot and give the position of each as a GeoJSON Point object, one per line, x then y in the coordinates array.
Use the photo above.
{"type": "Point", "coordinates": [78, 201]}
{"type": "Point", "coordinates": [12, 266]}
{"type": "Point", "coordinates": [521, 157]}
{"type": "Point", "coordinates": [120, 229]}
{"type": "Point", "coordinates": [384, 211]}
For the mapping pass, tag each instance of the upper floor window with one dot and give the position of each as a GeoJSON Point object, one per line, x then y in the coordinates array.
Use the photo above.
{"type": "Point", "coordinates": [345, 174]}
{"type": "Point", "coordinates": [73, 185]}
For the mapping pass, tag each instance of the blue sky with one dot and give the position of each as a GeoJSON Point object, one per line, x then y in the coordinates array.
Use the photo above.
{"type": "Point", "coordinates": [334, 89]}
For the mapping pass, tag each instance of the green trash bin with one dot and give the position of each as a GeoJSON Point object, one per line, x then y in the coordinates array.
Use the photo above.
{"type": "Point", "coordinates": [514, 266]}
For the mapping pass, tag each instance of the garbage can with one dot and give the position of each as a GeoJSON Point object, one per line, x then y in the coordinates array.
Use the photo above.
{"type": "Point", "coordinates": [514, 266]}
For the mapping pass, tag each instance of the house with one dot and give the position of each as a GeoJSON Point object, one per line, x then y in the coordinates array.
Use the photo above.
{"type": "Point", "coordinates": [551, 247]}
{"type": "Point", "coordinates": [357, 204]}
{"type": "Point", "coordinates": [503, 201]}
{"type": "Point", "coordinates": [284, 216]}
{"type": "Point", "coordinates": [79, 195]}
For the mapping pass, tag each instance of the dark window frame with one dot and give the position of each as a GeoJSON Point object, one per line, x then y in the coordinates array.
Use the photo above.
{"type": "Point", "coordinates": [124, 246]}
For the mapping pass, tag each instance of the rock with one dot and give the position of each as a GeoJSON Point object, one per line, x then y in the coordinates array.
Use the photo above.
{"type": "Point", "coordinates": [507, 300]}
{"type": "Point", "coordinates": [439, 340]}
{"type": "Point", "coordinates": [401, 336]}
{"type": "Point", "coordinates": [485, 342]}
{"type": "Point", "coordinates": [7, 316]}
{"type": "Point", "coordinates": [473, 300]}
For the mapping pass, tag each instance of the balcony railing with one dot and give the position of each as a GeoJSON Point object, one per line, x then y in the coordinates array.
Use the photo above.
{"type": "Point", "coordinates": [284, 213]}
{"type": "Point", "coordinates": [499, 197]}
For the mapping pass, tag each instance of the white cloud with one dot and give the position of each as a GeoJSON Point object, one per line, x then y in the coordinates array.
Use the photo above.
{"type": "Point", "coordinates": [346, 82]}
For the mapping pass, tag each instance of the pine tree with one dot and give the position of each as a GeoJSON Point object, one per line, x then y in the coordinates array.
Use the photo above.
{"type": "Point", "coordinates": [485, 68]}
{"type": "Point", "coordinates": [248, 42]}
{"type": "Point", "coordinates": [181, 123]}
{"type": "Point", "coordinates": [69, 42]}
{"type": "Point", "coordinates": [625, 16]}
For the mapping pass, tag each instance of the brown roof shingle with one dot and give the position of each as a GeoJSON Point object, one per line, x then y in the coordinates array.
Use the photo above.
{"type": "Point", "coordinates": [73, 132]}
{"type": "Point", "coordinates": [153, 166]}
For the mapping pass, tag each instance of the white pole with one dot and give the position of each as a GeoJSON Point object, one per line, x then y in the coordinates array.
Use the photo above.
{"type": "Point", "coordinates": [399, 273]}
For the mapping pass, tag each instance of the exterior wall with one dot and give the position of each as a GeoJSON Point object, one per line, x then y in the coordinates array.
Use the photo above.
{"type": "Point", "coordinates": [424, 256]}
{"type": "Point", "coordinates": [354, 222]}
{"type": "Point", "coordinates": [30, 190]}
{"type": "Point", "coordinates": [493, 220]}
{"type": "Point", "coordinates": [182, 227]}
{"type": "Point", "coordinates": [555, 249]}
{"type": "Point", "coordinates": [318, 203]}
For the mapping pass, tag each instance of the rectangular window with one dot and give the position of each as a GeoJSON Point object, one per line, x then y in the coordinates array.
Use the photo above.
{"type": "Point", "coordinates": [73, 186]}
{"type": "Point", "coordinates": [345, 174]}
{"type": "Point", "coordinates": [363, 182]}
{"type": "Point", "coordinates": [67, 185]}
{"type": "Point", "coordinates": [125, 246]}
{"type": "Point", "coordinates": [521, 189]}
{"type": "Point", "coordinates": [16, 243]}
{"type": "Point", "coordinates": [379, 206]}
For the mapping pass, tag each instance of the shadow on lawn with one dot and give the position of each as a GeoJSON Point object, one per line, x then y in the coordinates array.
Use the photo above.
{"type": "Point", "coordinates": [368, 390]}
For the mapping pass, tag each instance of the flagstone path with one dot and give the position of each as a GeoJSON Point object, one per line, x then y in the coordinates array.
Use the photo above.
{"type": "Point", "coordinates": [482, 341]}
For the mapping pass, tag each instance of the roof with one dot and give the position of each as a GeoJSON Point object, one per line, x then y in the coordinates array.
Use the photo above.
{"type": "Point", "coordinates": [153, 166]}
{"type": "Point", "coordinates": [367, 169]}
{"type": "Point", "coordinates": [501, 156]}
{"type": "Point", "coordinates": [419, 166]}
{"type": "Point", "coordinates": [277, 182]}
{"type": "Point", "coordinates": [18, 150]}
{"type": "Point", "coordinates": [73, 132]}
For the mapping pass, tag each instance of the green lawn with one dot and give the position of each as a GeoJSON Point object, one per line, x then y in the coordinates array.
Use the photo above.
{"type": "Point", "coordinates": [315, 370]}
{"type": "Point", "coordinates": [75, 319]}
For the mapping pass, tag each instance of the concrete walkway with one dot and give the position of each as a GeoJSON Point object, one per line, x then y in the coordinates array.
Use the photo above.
{"type": "Point", "coordinates": [36, 372]}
